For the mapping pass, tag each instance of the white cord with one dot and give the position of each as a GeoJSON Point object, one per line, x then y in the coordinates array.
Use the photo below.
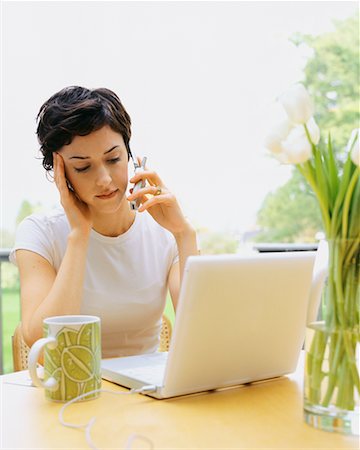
{"type": "Point", "coordinates": [89, 425]}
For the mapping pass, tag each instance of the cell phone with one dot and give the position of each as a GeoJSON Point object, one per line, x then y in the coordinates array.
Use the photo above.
{"type": "Point", "coordinates": [69, 185]}
{"type": "Point", "coordinates": [134, 204]}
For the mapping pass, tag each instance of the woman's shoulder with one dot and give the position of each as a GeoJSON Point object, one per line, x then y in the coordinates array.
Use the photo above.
{"type": "Point", "coordinates": [54, 220]}
{"type": "Point", "coordinates": [44, 233]}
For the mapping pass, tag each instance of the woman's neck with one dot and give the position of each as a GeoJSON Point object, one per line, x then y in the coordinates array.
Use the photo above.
{"type": "Point", "coordinates": [114, 224]}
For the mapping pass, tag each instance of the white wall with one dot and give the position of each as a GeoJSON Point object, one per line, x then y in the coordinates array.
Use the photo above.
{"type": "Point", "coordinates": [198, 78]}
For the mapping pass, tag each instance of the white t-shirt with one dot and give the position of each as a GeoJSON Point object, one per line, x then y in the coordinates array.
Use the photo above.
{"type": "Point", "coordinates": [126, 278]}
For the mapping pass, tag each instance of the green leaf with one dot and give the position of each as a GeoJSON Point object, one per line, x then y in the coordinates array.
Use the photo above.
{"type": "Point", "coordinates": [309, 173]}
{"type": "Point", "coordinates": [347, 201]}
{"type": "Point", "coordinates": [320, 177]}
{"type": "Point", "coordinates": [354, 220]}
{"type": "Point", "coordinates": [343, 186]}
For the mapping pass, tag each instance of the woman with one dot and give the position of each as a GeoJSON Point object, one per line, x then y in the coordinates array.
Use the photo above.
{"type": "Point", "coordinates": [96, 255]}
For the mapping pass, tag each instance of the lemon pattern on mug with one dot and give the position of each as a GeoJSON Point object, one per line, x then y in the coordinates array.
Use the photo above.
{"type": "Point", "coordinates": [74, 362]}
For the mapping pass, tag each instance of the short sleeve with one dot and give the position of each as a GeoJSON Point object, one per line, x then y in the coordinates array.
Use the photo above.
{"type": "Point", "coordinates": [34, 234]}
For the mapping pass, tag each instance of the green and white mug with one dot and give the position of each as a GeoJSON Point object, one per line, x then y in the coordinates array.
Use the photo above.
{"type": "Point", "coordinates": [72, 357]}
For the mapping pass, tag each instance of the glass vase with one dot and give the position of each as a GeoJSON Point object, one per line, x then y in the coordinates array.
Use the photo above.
{"type": "Point", "coordinates": [332, 345]}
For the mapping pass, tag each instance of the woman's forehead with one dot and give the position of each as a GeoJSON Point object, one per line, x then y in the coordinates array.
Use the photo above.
{"type": "Point", "coordinates": [97, 143]}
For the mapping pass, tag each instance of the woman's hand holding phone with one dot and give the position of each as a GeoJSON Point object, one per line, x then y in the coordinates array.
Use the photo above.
{"type": "Point", "coordinates": [77, 212]}
{"type": "Point", "coordinates": [156, 198]}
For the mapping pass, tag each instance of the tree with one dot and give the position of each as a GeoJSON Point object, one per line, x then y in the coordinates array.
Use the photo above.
{"type": "Point", "coordinates": [290, 214]}
{"type": "Point", "coordinates": [331, 76]}
{"type": "Point", "coordinates": [213, 243]}
{"type": "Point", "coordinates": [26, 209]}
{"type": "Point", "coordinates": [7, 238]}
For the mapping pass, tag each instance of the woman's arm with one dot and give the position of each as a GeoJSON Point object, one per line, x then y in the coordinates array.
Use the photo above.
{"type": "Point", "coordinates": [164, 208]}
{"type": "Point", "coordinates": [45, 293]}
{"type": "Point", "coordinates": [187, 246]}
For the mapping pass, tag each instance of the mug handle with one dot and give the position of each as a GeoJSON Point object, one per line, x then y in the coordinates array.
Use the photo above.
{"type": "Point", "coordinates": [34, 353]}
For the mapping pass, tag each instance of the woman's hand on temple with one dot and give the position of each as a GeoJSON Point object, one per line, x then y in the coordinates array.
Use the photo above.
{"type": "Point", "coordinates": [159, 202]}
{"type": "Point", "coordinates": [77, 212]}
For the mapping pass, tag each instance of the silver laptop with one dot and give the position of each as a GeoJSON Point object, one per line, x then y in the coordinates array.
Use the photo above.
{"type": "Point", "coordinates": [239, 319]}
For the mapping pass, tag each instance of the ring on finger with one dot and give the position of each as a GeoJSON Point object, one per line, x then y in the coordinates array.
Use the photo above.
{"type": "Point", "coordinates": [158, 190]}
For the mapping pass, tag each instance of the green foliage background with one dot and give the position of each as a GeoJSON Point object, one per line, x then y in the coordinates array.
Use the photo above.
{"type": "Point", "coordinates": [332, 77]}
{"type": "Point", "coordinates": [290, 214]}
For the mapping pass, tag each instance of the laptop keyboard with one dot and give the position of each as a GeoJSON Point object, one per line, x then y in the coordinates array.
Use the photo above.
{"type": "Point", "coordinates": [151, 370]}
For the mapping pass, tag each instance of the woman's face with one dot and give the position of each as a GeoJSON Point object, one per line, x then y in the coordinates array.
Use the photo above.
{"type": "Point", "coordinates": [96, 166]}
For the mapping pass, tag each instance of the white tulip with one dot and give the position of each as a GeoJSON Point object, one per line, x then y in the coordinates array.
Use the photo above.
{"type": "Point", "coordinates": [283, 158]}
{"type": "Point", "coordinates": [297, 147]}
{"type": "Point", "coordinates": [297, 104]}
{"type": "Point", "coordinates": [353, 146]}
{"type": "Point", "coordinates": [313, 130]}
{"type": "Point", "coordinates": [279, 133]}
{"type": "Point", "coordinates": [355, 155]}
{"type": "Point", "coordinates": [289, 142]}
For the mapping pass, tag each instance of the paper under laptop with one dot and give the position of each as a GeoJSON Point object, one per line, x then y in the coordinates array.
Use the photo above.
{"type": "Point", "coordinates": [239, 319]}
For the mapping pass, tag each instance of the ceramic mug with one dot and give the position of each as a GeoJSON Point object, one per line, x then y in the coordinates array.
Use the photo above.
{"type": "Point", "coordinates": [72, 357]}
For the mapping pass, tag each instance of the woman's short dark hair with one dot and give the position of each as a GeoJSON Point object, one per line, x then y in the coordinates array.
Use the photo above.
{"type": "Point", "coordinates": [78, 111]}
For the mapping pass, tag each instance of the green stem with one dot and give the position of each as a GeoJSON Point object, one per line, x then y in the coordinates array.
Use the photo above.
{"type": "Point", "coordinates": [337, 338]}
{"type": "Point", "coordinates": [340, 306]}
{"type": "Point", "coordinates": [341, 396]}
{"type": "Point", "coordinates": [333, 368]}
{"type": "Point", "coordinates": [330, 293]}
{"type": "Point", "coordinates": [314, 366]}
{"type": "Point", "coordinates": [354, 246]}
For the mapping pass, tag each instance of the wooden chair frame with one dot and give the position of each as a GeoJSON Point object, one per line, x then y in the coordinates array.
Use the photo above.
{"type": "Point", "coordinates": [20, 349]}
